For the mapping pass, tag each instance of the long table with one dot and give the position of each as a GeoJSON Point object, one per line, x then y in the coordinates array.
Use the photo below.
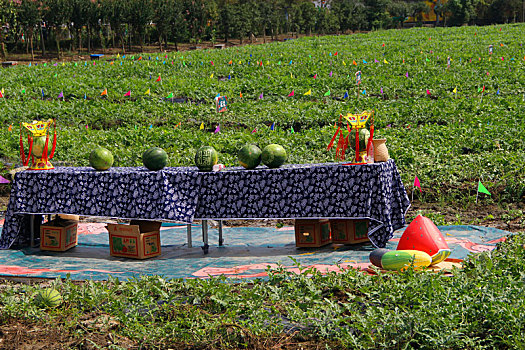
{"type": "Point", "coordinates": [183, 194]}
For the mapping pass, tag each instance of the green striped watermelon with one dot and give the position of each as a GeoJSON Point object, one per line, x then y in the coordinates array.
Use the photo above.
{"type": "Point", "coordinates": [155, 158]}
{"type": "Point", "coordinates": [273, 155]}
{"type": "Point", "coordinates": [48, 298]}
{"type": "Point", "coordinates": [249, 156]}
{"type": "Point", "coordinates": [206, 157]}
{"type": "Point", "coordinates": [101, 158]}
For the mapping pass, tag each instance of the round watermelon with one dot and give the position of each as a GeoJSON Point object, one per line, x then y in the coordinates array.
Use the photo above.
{"type": "Point", "coordinates": [101, 158]}
{"type": "Point", "coordinates": [249, 156]}
{"type": "Point", "coordinates": [155, 158]}
{"type": "Point", "coordinates": [364, 135]}
{"type": "Point", "coordinates": [273, 156]}
{"type": "Point", "coordinates": [48, 297]}
{"type": "Point", "coordinates": [38, 146]}
{"type": "Point", "coordinates": [206, 157]}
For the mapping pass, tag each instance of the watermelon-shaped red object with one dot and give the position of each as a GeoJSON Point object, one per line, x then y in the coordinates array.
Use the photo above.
{"type": "Point", "coordinates": [424, 236]}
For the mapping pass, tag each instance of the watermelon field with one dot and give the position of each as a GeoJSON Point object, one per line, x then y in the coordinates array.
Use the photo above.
{"type": "Point", "coordinates": [449, 126]}
{"type": "Point", "coordinates": [451, 123]}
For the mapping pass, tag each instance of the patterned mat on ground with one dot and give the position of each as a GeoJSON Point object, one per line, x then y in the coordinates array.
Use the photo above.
{"type": "Point", "coordinates": [247, 252]}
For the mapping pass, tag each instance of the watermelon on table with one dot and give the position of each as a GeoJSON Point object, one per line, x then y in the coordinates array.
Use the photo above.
{"type": "Point", "coordinates": [206, 157]}
{"type": "Point", "coordinates": [273, 155]}
{"type": "Point", "coordinates": [48, 298]}
{"type": "Point", "coordinates": [38, 146]}
{"type": "Point", "coordinates": [249, 156]}
{"type": "Point", "coordinates": [155, 158]}
{"type": "Point", "coordinates": [101, 158]}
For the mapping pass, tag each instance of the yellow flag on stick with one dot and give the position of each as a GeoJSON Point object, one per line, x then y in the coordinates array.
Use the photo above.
{"type": "Point", "coordinates": [385, 61]}
{"type": "Point", "coordinates": [201, 127]}
{"type": "Point", "coordinates": [309, 92]}
{"type": "Point", "coordinates": [455, 90]}
{"type": "Point", "coordinates": [211, 76]}
{"type": "Point", "coordinates": [148, 92]}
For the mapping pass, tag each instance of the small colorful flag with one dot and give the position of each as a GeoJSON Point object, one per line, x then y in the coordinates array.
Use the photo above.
{"type": "Point", "coordinates": [217, 129]}
{"type": "Point", "coordinates": [159, 78]}
{"type": "Point", "coordinates": [10, 128]}
{"type": "Point", "coordinates": [148, 92]}
{"type": "Point", "coordinates": [61, 95]}
{"type": "Point", "coordinates": [128, 93]}
{"type": "Point", "coordinates": [330, 75]}
{"type": "Point", "coordinates": [381, 91]}
{"type": "Point", "coordinates": [291, 129]}
{"type": "Point", "coordinates": [309, 92]}
{"type": "Point", "coordinates": [201, 127]}
{"type": "Point", "coordinates": [365, 62]}
{"type": "Point", "coordinates": [483, 189]}
{"type": "Point", "coordinates": [455, 90]}
{"type": "Point", "coordinates": [1, 94]}
{"type": "Point", "coordinates": [346, 94]}
{"type": "Point", "coordinates": [254, 131]}
{"type": "Point", "coordinates": [364, 92]}
{"type": "Point", "coordinates": [406, 74]}
{"type": "Point", "coordinates": [417, 184]}
{"type": "Point", "coordinates": [170, 95]}
{"type": "Point", "coordinates": [104, 93]}
{"type": "Point", "coordinates": [3, 180]}
{"type": "Point", "coordinates": [272, 127]}
{"type": "Point", "coordinates": [385, 61]}
{"type": "Point", "coordinates": [315, 76]}
{"type": "Point", "coordinates": [327, 93]}
{"type": "Point", "coordinates": [240, 94]}
{"type": "Point", "coordinates": [428, 92]}
{"type": "Point", "coordinates": [211, 76]}
{"type": "Point", "coordinates": [261, 96]}
{"type": "Point", "coordinates": [354, 63]}
{"type": "Point", "coordinates": [497, 92]}
{"type": "Point", "coordinates": [291, 94]}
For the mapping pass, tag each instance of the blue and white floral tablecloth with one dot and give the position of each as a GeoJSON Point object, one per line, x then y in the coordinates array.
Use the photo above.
{"type": "Point", "coordinates": [372, 191]}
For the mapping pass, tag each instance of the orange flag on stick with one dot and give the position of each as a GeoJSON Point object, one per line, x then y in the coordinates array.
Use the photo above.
{"type": "Point", "coordinates": [104, 93]}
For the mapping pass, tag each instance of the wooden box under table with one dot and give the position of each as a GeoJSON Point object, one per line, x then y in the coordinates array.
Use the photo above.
{"type": "Point", "coordinates": [312, 232]}
{"type": "Point", "coordinates": [349, 231]}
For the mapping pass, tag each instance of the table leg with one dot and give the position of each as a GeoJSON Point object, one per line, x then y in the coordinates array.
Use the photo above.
{"type": "Point", "coordinates": [188, 233]}
{"type": "Point", "coordinates": [221, 241]}
{"type": "Point", "coordinates": [205, 247]}
{"type": "Point", "coordinates": [32, 230]}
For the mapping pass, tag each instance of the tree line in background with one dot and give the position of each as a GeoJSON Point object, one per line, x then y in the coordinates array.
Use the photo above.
{"type": "Point", "coordinates": [76, 25]}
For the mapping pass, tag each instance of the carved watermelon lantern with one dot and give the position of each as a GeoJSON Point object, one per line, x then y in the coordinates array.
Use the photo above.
{"type": "Point", "coordinates": [423, 235]}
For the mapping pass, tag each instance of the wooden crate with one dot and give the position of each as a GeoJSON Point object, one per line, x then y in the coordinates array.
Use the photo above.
{"type": "Point", "coordinates": [349, 231]}
{"type": "Point", "coordinates": [312, 232]}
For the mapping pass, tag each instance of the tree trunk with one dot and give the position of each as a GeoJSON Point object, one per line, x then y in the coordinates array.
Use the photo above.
{"type": "Point", "coordinates": [160, 43]}
{"type": "Point", "coordinates": [31, 44]}
{"type": "Point", "coordinates": [89, 38]}
{"type": "Point", "coordinates": [42, 40]}
{"type": "Point", "coordinates": [57, 39]}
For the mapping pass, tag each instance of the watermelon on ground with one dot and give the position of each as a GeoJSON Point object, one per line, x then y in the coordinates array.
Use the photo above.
{"type": "Point", "coordinates": [273, 155]}
{"type": "Point", "coordinates": [398, 260]}
{"type": "Point", "coordinates": [101, 158]}
{"type": "Point", "coordinates": [48, 297]}
{"type": "Point", "coordinates": [155, 158]}
{"type": "Point", "coordinates": [206, 157]}
{"type": "Point", "coordinates": [249, 156]}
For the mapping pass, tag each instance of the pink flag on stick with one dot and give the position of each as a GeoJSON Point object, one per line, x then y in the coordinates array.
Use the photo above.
{"type": "Point", "coordinates": [315, 76]}
{"type": "Point", "coordinates": [128, 93]}
{"type": "Point", "coordinates": [291, 94]}
{"type": "Point", "coordinates": [428, 92]}
{"type": "Point", "coordinates": [417, 184]}
{"type": "Point", "coordinates": [261, 96]}
{"type": "Point", "coordinates": [3, 180]}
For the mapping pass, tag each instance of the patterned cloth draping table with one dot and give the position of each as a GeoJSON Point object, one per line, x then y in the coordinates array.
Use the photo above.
{"type": "Point", "coordinates": [372, 191]}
